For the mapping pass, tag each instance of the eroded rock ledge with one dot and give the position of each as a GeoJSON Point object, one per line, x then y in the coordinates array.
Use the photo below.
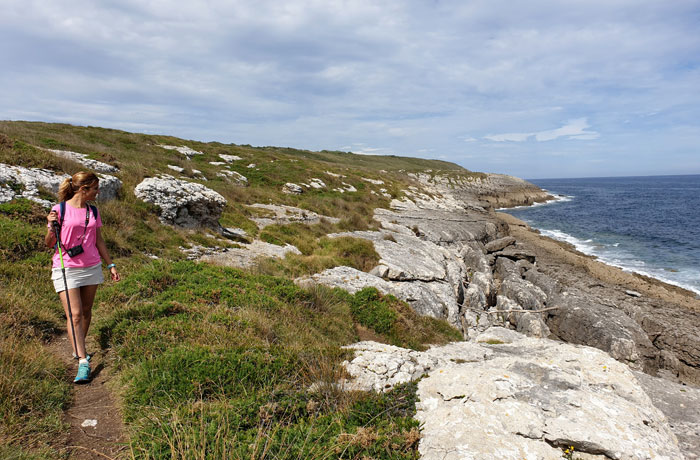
{"type": "Point", "coordinates": [448, 257]}
{"type": "Point", "coordinates": [506, 396]}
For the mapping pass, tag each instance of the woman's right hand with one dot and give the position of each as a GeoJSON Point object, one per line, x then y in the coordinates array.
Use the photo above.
{"type": "Point", "coordinates": [52, 217]}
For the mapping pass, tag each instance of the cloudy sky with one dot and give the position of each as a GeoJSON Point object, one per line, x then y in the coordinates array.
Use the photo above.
{"type": "Point", "coordinates": [533, 88]}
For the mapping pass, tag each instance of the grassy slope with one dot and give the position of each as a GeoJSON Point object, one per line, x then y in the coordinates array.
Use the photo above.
{"type": "Point", "coordinates": [213, 362]}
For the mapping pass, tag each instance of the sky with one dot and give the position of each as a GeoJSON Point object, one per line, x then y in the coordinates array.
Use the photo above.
{"type": "Point", "coordinates": [536, 89]}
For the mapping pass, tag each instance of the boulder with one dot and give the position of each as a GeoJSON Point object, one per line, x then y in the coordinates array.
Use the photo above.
{"type": "Point", "coordinates": [435, 299]}
{"type": "Point", "coordinates": [236, 234]}
{"type": "Point", "coordinates": [317, 183]}
{"type": "Point", "coordinates": [234, 176]}
{"type": "Point", "coordinates": [85, 161]}
{"type": "Point", "coordinates": [503, 268]}
{"type": "Point", "coordinates": [581, 319]}
{"type": "Point", "coordinates": [473, 256]}
{"type": "Point", "coordinates": [523, 292]}
{"type": "Point", "coordinates": [249, 254]}
{"type": "Point", "coordinates": [547, 284]}
{"type": "Point", "coordinates": [21, 182]}
{"type": "Point", "coordinates": [532, 325]}
{"type": "Point", "coordinates": [283, 215]}
{"type": "Point", "coordinates": [182, 203]}
{"type": "Point", "coordinates": [183, 149]}
{"type": "Point", "coordinates": [499, 244]}
{"type": "Point", "coordinates": [109, 187]}
{"type": "Point", "coordinates": [292, 189]}
{"type": "Point", "coordinates": [509, 397]}
{"type": "Point", "coordinates": [515, 253]}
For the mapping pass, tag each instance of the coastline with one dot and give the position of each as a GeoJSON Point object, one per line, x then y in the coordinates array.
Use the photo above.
{"type": "Point", "coordinates": [639, 226]}
{"type": "Point", "coordinates": [558, 252]}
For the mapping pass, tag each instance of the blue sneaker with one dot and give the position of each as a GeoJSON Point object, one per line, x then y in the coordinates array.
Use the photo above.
{"type": "Point", "coordinates": [83, 375]}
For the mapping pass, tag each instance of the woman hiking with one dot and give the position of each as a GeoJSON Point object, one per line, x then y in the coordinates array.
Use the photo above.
{"type": "Point", "coordinates": [81, 251]}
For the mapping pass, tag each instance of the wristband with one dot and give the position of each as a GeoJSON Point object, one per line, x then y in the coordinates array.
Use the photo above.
{"type": "Point", "coordinates": [110, 266]}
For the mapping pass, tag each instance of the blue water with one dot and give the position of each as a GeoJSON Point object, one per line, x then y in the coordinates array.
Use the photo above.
{"type": "Point", "coordinates": [648, 225]}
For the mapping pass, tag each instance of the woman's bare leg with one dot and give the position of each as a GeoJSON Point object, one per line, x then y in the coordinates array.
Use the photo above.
{"type": "Point", "coordinates": [76, 310]}
{"type": "Point", "coordinates": [87, 297]}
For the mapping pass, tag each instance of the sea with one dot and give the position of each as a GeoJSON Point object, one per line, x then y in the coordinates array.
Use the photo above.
{"type": "Point", "coordinates": [648, 225]}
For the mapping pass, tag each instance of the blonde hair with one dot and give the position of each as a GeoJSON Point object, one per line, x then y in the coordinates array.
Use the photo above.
{"type": "Point", "coordinates": [72, 184]}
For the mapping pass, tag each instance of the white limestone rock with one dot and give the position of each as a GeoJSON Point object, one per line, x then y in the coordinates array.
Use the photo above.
{"type": "Point", "coordinates": [30, 180]}
{"type": "Point", "coordinates": [182, 203]}
{"type": "Point", "coordinates": [435, 299]}
{"type": "Point", "coordinates": [249, 254]}
{"type": "Point", "coordinates": [317, 183]}
{"type": "Point", "coordinates": [292, 189]}
{"type": "Point", "coordinates": [373, 181]}
{"type": "Point", "coordinates": [509, 397]}
{"type": "Point", "coordinates": [230, 158]}
{"type": "Point", "coordinates": [176, 168]}
{"type": "Point", "coordinates": [109, 187]}
{"type": "Point", "coordinates": [283, 215]}
{"type": "Point", "coordinates": [85, 161]}
{"type": "Point", "coordinates": [187, 151]}
{"type": "Point", "coordinates": [233, 175]}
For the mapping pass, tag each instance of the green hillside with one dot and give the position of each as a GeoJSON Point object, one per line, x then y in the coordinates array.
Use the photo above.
{"type": "Point", "coordinates": [210, 362]}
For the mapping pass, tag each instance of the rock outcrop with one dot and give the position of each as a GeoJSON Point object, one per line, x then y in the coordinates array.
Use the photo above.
{"type": "Point", "coordinates": [282, 215]}
{"type": "Point", "coordinates": [292, 189]}
{"type": "Point", "coordinates": [249, 254]}
{"type": "Point", "coordinates": [182, 203]}
{"type": "Point", "coordinates": [505, 396]}
{"type": "Point", "coordinates": [183, 149]}
{"type": "Point", "coordinates": [29, 183]}
{"type": "Point", "coordinates": [679, 403]}
{"type": "Point", "coordinates": [84, 160]}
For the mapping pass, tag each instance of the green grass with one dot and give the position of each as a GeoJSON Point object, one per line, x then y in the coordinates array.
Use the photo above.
{"type": "Point", "coordinates": [222, 360]}
{"type": "Point", "coordinates": [211, 362]}
{"type": "Point", "coordinates": [34, 389]}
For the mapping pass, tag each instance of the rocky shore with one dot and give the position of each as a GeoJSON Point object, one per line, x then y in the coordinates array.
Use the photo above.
{"type": "Point", "coordinates": [450, 255]}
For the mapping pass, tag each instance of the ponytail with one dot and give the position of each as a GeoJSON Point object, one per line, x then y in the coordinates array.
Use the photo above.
{"type": "Point", "coordinates": [72, 184]}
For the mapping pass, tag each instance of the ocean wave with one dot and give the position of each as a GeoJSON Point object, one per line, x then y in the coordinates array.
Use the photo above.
{"type": "Point", "coordinates": [611, 255]}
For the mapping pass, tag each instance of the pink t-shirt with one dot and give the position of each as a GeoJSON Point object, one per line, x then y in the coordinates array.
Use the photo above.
{"type": "Point", "coordinates": [71, 233]}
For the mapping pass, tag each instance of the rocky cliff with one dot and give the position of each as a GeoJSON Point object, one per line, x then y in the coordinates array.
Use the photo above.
{"type": "Point", "coordinates": [449, 257]}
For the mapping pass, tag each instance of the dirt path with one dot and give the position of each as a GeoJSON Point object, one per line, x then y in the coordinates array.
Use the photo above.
{"type": "Point", "coordinates": [91, 402]}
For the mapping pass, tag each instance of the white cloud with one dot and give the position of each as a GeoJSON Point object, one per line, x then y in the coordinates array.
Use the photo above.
{"type": "Point", "coordinates": [317, 74]}
{"type": "Point", "coordinates": [574, 129]}
{"type": "Point", "coordinates": [514, 137]}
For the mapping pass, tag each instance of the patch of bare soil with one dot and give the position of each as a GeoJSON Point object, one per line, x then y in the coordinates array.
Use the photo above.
{"type": "Point", "coordinates": [96, 429]}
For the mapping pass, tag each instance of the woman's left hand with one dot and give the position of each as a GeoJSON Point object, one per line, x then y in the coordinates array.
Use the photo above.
{"type": "Point", "coordinates": [115, 274]}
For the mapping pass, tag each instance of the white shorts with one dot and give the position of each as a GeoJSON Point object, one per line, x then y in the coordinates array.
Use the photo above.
{"type": "Point", "coordinates": [77, 277]}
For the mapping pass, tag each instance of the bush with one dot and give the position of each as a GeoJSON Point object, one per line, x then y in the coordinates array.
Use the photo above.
{"type": "Point", "coordinates": [369, 309]}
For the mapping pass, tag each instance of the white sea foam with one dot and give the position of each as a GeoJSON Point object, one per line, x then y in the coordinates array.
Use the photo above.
{"type": "Point", "coordinates": [556, 199]}
{"type": "Point", "coordinates": [611, 255]}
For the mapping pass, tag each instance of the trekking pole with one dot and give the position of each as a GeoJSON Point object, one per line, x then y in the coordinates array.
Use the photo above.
{"type": "Point", "coordinates": [65, 283]}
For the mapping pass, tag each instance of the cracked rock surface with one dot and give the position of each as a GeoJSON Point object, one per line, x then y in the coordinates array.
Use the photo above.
{"type": "Point", "coordinates": [506, 396]}
{"type": "Point", "coordinates": [29, 182]}
{"type": "Point", "coordinates": [180, 202]}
